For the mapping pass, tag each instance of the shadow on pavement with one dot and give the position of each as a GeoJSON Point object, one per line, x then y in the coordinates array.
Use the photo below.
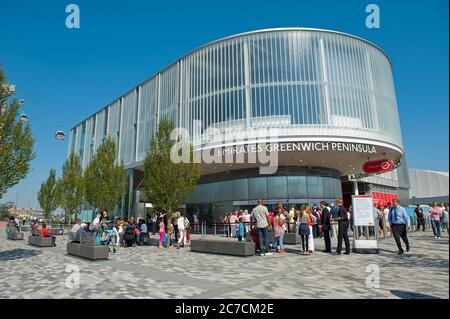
{"type": "Point", "coordinates": [411, 295]}
{"type": "Point", "coordinates": [18, 254]}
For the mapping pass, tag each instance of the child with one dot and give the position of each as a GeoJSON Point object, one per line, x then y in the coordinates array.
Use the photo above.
{"type": "Point", "coordinates": [162, 232]}
{"type": "Point", "coordinates": [255, 238]}
{"type": "Point", "coordinates": [241, 229]}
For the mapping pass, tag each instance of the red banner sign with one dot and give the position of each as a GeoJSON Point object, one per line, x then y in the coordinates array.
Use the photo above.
{"type": "Point", "coordinates": [380, 166]}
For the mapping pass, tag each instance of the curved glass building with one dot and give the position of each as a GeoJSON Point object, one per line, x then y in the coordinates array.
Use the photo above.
{"type": "Point", "coordinates": [328, 96]}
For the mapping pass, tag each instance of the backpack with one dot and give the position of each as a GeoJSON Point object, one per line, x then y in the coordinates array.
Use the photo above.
{"type": "Point", "coordinates": [129, 232]}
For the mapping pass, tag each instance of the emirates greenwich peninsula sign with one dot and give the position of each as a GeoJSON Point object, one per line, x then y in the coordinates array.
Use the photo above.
{"type": "Point", "coordinates": [300, 147]}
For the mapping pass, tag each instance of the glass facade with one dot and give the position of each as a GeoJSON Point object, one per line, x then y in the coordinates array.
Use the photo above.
{"type": "Point", "coordinates": [303, 82]}
{"type": "Point", "coordinates": [288, 184]}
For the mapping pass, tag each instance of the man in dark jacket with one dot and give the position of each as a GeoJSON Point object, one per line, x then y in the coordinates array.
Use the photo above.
{"type": "Point", "coordinates": [343, 224]}
{"type": "Point", "coordinates": [326, 225]}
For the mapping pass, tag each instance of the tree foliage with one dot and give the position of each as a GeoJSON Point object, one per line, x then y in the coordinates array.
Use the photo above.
{"type": "Point", "coordinates": [16, 141]}
{"type": "Point", "coordinates": [167, 184]}
{"type": "Point", "coordinates": [105, 180]}
{"type": "Point", "coordinates": [48, 194]}
{"type": "Point", "coordinates": [70, 186]}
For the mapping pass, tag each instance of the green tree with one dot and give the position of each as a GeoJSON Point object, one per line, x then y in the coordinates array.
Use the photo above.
{"type": "Point", "coordinates": [16, 141]}
{"type": "Point", "coordinates": [48, 194]}
{"type": "Point", "coordinates": [105, 180]}
{"type": "Point", "coordinates": [70, 186]}
{"type": "Point", "coordinates": [167, 184]}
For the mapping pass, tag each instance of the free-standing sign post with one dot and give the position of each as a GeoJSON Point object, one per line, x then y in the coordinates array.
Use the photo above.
{"type": "Point", "coordinates": [363, 218]}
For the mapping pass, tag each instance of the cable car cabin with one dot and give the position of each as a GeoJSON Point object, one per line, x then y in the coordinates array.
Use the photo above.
{"type": "Point", "coordinates": [21, 102]}
{"type": "Point", "coordinates": [60, 135]}
{"type": "Point", "coordinates": [24, 118]}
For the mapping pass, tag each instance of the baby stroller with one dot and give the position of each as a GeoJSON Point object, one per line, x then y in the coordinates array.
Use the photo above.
{"type": "Point", "coordinates": [105, 238]}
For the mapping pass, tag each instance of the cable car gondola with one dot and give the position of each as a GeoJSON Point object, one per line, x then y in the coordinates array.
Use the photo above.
{"type": "Point", "coordinates": [24, 117]}
{"type": "Point", "coordinates": [21, 102]}
{"type": "Point", "coordinates": [60, 135]}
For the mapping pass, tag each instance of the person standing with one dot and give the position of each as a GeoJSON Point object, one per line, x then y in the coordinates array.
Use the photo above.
{"type": "Point", "coordinates": [261, 214]}
{"type": "Point", "coordinates": [311, 223]}
{"type": "Point", "coordinates": [381, 221]}
{"type": "Point", "coordinates": [291, 220]}
{"type": "Point", "coordinates": [233, 220]}
{"type": "Point", "coordinates": [445, 219]}
{"type": "Point", "coordinates": [241, 230]}
{"type": "Point", "coordinates": [435, 215]}
{"type": "Point", "coordinates": [181, 228]}
{"type": "Point", "coordinates": [334, 223]}
{"type": "Point", "coordinates": [399, 221]}
{"type": "Point", "coordinates": [175, 217]}
{"type": "Point", "coordinates": [196, 222]}
{"type": "Point", "coordinates": [162, 232]}
{"type": "Point", "coordinates": [343, 224]}
{"type": "Point", "coordinates": [247, 221]}
{"type": "Point", "coordinates": [386, 217]}
{"type": "Point", "coordinates": [154, 220]}
{"type": "Point", "coordinates": [279, 230]}
{"type": "Point", "coordinates": [420, 218]}
{"type": "Point", "coordinates": [304, 231]}
{"type": "Point", "coordinates": [316, 225]}
{"type": "Point", "coordinates": [326, 225]}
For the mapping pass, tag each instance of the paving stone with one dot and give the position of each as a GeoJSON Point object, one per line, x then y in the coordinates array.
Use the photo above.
{"type": "Point", "coordinates": [150, 272]}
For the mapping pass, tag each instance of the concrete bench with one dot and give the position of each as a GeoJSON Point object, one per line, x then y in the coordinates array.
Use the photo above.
{"type": "Point", "coordinates": [291, 239]}
{"type": "Point", "coordinates": [223, 246]}
{"type": "Point", "coordinates": [15, 235]}
{"type": "Point", "coordinates": [91, 252]}
{"type": "Point", "coordinates": [40, 241]}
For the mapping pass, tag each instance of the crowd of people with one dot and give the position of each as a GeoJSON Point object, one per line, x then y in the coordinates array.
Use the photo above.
{"type": "Point", "coordinates": [174, 228]}
{"type": "Point", "coordinates": [326, 221]}
{"type": "Point", "coordinates": [323, 221]}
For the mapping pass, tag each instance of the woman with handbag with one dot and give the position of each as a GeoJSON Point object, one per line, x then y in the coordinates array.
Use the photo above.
{"type": "Point", "coordinates": [303, 221]}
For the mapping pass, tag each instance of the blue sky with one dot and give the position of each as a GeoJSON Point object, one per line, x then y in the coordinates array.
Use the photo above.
{"type": "Point", "coordinates": [65, 75]}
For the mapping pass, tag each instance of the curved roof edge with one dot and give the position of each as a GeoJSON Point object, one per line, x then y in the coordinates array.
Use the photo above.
{"type": "Point", "coordinates": [242, 34]}
{"type": "Point", "coordinates": [238, 35]}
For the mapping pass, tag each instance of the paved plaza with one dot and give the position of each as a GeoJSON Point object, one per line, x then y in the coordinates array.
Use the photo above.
{"type": "Point", "coordinates": [150, 272]}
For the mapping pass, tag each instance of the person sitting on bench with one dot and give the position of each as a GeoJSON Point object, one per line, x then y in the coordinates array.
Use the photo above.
{"type": "Point", "coordinates": [34, 228]}
{"type": "Point", "coordinates": [47, 233]}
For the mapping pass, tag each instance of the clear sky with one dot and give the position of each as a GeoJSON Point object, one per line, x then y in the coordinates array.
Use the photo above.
{"type": "Point", "coordinates": [66, 75]}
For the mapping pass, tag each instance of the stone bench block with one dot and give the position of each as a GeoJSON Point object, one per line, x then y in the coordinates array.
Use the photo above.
{"type": "Point", "coordinates": [223, 246]}
{"type": "Point", "coordinates": [15, 236]}
{"type": "Point", "coordinates": [88, 251]}
{"type": "Point", "coordinates": [291, 239]}
{"type": "Point", "coordinates": [40, 241]}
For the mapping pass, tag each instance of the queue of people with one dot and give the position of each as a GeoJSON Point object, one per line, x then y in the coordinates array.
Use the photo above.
{"type": "Point", "coordinates": [325, 222]}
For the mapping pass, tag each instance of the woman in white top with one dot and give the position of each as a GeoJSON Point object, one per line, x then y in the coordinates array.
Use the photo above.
{"type": "Point", "coordinates": [313, 220]}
